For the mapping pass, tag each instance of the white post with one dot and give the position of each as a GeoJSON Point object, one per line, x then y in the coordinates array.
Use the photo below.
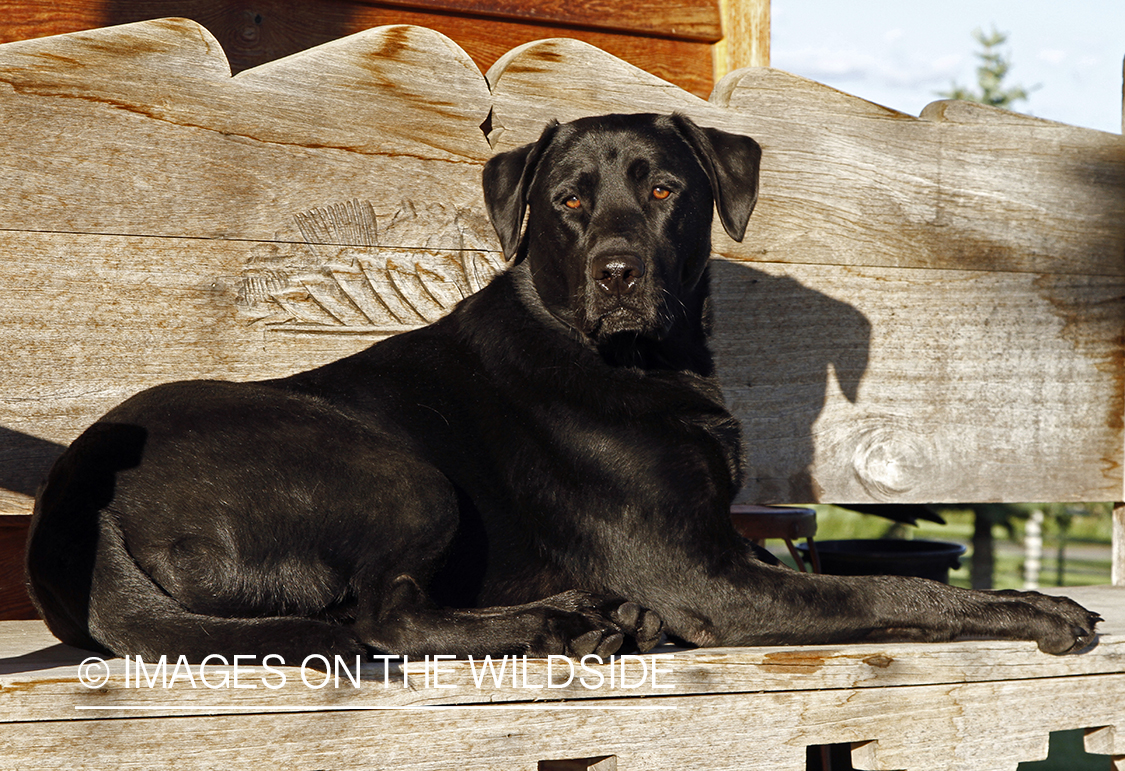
{"type": "Point", "coordinates": [1117, 575]}
{"type": "Point", "coordinates": [1033, 550]}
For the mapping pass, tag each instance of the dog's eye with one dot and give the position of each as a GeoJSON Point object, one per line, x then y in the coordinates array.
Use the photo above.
{"type": "Point", "coordinates": [660, 193]}
{"type": "Point", "coordinates": [574, 202]}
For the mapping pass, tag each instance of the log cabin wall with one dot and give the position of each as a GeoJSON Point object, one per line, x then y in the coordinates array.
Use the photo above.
{"type": "Point", "coordinates": [671, 40]}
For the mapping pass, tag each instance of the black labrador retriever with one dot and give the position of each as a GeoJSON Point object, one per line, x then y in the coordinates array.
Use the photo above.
{"type": "Point", "coordinates": [546, 470]}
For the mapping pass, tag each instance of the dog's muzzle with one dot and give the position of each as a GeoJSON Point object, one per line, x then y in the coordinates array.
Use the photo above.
{"type": "Point", "coordinates": [621, 296]}
{"type": "Point", "coordinates": [617, 274]}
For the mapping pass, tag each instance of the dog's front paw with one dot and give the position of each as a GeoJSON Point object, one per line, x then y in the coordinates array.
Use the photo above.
{"type": "Point", "coordinates": [644, 626]}
{"type": "Point", "coordinates": [1074, 627]}
{"type": "Point", "coordinates": [581, 623]}
{"type": "Point", "coordinates": [1063, 626]}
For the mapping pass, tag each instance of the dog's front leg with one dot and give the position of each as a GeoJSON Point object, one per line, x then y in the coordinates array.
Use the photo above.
{"type": "Point", "coordinates": [762, 604]}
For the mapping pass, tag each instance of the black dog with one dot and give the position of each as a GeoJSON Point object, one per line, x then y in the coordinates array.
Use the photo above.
{"type": "Point", "coordinates": [548, 469]}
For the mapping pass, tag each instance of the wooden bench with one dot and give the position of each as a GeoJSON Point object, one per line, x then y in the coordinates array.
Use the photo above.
{"type": "Point", "coordinates": [925, 309]}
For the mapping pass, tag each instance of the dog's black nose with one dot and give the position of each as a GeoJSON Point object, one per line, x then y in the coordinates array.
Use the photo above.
{"type": "Point", "coordinates": [617, 273]}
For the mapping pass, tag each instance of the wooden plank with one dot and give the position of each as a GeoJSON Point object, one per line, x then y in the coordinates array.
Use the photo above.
{"type": "Point", "coordinates": [40, 679]}
{"type": "Point", "coordinates": [858, 384]}
{"type": "Point", "coordinates": [401, 104]}
{"type": "Point", "coordinates": [697, 20]}
{"type": "Point", "coordinates": [105, 316]}
{"type": "Point", "coordinates": [962, 408]}
{"type": "Point", "coordinates": [327, 199]}
{"type": "Point", "coordinates": [847, 182]}
{"type": "Point", "coordinates": [978, 726]}
{"type": "Point", "coordinates": [687, 63]}
{"type": "Point", "coordinates": [332, 125]}
{"type": "Point", "coordinates": [963, 303]}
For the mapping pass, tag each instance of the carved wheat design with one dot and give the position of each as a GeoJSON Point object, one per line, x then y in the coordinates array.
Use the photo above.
{"type": "Point", "coordinates": [345, 282]}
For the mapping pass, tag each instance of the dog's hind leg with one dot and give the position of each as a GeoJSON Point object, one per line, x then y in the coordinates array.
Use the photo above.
{"type": "Point", "coordinates": [131, 615]}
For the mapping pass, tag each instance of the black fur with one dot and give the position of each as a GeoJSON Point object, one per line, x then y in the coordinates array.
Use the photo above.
{"type": "Point", "coordinates": [548, 469]}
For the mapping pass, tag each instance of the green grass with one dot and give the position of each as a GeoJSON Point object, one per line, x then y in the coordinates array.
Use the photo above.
{"type": "Point", "coordinates": [1068, 753]}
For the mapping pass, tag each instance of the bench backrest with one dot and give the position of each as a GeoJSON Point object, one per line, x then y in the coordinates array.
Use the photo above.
{"type": "Point", "coordinates": [924, 308]}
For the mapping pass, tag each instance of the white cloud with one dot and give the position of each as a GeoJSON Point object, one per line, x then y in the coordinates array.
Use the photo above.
{"type": "Point", "coordinates": [892, 69]}
{"type": "Point", "coordinates": [1052, 56]}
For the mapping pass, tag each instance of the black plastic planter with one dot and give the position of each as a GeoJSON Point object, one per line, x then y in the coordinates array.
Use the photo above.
{"type": "Point", "coordinates": [887, 557]}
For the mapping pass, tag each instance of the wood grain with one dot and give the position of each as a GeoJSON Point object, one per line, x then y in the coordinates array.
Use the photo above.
{"type": "Point", "coordinates": [969, 705]}
{"type": "Point", "coordinates": [897, 326]}
{"type": "Point", "coordinates": [976, 727]}
{"type": "Point", "coordinates": [746, 36]}
{"type": "Point", "coordinates": [39, 677]}
{"type": "Point", "coordinates": [304, 25]}
{"type": "Point", "coordinates": [847, 182]}
{"type": "Point", "coordinates": [925, 309]}
{"type": "Point", "coordinates": [917, 299]}
{"type": "Point", "coordinates": [990, 721]}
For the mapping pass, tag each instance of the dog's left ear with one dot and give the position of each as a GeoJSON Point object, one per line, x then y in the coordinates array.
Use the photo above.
{"type": "Point", "coordinates": [731, 162]}
{"type": "Point", "coordinates": [507, 179]}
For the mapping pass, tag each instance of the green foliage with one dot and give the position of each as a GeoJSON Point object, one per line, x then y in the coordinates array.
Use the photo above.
{"type": "Point", "coordinates": [994, 67]}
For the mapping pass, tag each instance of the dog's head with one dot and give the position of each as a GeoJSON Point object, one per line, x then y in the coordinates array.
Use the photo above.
{"type": "Point", "coordinates": [619, 216]}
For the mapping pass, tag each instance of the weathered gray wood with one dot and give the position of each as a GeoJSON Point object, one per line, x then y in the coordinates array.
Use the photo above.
{"type": "Point", "coordinates": [848, 182]}
{"type": "Point", "coordinates": [919, 302]}
{"type": "Point", "coordinates": [924, 309]}
{"type": "Point", "coordinates": [151, 136]}
{"type": "Point", "coordinates": [40, 679]}
{"type": "Point", "coordinates": [979, 727]}
{"type": "Point", "coordinates": [265, 212]}
{"type": "Point", "coordinates": [976, 705]}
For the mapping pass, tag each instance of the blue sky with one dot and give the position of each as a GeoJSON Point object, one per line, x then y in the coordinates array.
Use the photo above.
{"type": "Point", "coordinates": [898, 53]}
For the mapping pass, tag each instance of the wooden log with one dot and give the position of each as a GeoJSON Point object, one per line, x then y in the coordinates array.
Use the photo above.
{"type": "Point", "coordinates": [671, 39]}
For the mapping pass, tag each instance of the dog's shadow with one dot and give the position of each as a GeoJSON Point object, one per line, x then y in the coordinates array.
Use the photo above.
{"type": "Point", "coordinates": [777, 345]}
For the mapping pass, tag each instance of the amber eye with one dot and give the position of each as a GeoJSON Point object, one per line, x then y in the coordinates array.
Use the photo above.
{"type": "Point", "coordinates": [660, 193]}
{"type": "Point", "coordinates": [574, 202]}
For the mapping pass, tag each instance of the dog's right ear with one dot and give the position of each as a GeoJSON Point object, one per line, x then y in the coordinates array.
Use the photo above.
{"type": "Point", "coordinates": [507, 179]}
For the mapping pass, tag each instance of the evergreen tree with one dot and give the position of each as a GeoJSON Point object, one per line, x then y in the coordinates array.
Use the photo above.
{"type": "Point", "coordinates": [994, 67]}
